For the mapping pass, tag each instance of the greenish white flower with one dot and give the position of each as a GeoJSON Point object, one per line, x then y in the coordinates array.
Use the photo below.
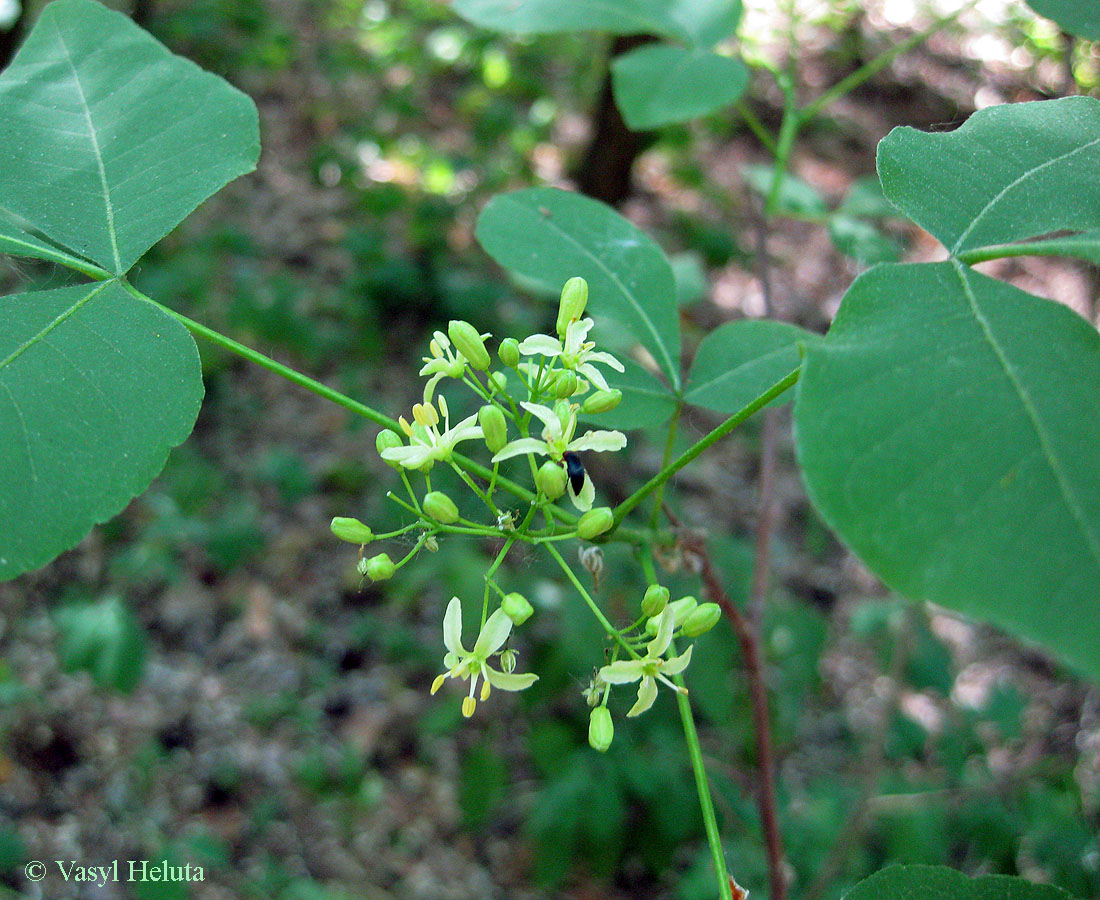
{"type": "Point", "coordinates": [443, 363]}
{"type": "Point", "coordinates": [426, 441]}
{"type": "Point", "coordinates": [651, 668]}
{"type": "Point", "coordinates": [575, 352]}
{"type": "Point", "coordinates": [558, 438]}
{"type": "Point", "coordinates": [474, 664]}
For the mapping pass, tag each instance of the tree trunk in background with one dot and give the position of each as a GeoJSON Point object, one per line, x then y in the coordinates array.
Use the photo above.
{"type": "Point", "coordinates": [10, 39]}
{"type": "Point", "coordinates": [604, 172]}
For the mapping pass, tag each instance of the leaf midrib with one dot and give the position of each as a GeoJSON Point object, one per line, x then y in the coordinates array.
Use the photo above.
{"type": "Point", "coordinates": [94, 138]}
{"type": "Point", "coordinates": [1032, 414]}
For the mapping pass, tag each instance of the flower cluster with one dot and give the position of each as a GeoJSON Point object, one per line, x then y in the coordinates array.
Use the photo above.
{"type": "Point", "coordinates": [529, 403]}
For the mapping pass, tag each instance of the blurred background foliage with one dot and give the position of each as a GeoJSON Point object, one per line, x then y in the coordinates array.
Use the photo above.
{"type": "Point", "coordinates": [205, 679]}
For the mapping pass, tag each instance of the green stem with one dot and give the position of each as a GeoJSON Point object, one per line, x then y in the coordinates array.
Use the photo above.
{"type": "Point", "coordinates": [1070, 245]}
{"type": "Point", "coordinates": [757, 127]}
{"type": "Point", "coordinates": [788, 131]}
{"type": "Point", "coordinates": [880, 62]}
{"type": "Point", "coordinates": [706, 804]}
{"type": "Point", "coordinates": [697, 448]}
{"type": "Point", "coordinates": [592, 605]}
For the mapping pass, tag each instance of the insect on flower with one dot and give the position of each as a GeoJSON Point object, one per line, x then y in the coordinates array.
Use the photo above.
{"type": "Point", "coordinates": [574, 468]}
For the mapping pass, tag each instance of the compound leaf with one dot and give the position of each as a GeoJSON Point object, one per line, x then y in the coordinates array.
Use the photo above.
{"type": "Point", "coordinates": [739, 361]}
{"type": "Point", "coordinates": [95, 388]}
{"type": "Point", "coordinates": [1010, 172]}
{"type": "Point", "coordinates": [109, 140]}
{"type": "Point", "coordinates": [548, 236]}
{"type": "Point", "coordinates": [939, 883]}
{"type": "Point", "coordinates": [659, 84]}
{"type": "Point", "coordinates": [1075, 16]}
{"type": "Point", "coordinates": [952, 443]}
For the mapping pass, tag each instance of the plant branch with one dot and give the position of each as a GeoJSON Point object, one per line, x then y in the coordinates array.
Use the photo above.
{"type": "Point", "coordinates": [784, 384]}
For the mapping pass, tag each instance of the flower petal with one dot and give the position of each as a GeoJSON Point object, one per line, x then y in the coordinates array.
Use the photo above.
{"type": "Point", "coordinates": [512, 682]}
{"type": "Point", "coordinates": [583, 500]}
{"type": "Point", "coordinates": [545, 415]}
{"type": "Point", "coordinates": [665, 626]}
{"type": "Point", "coordinates": [493, 634]}
{"type": "Point", "coordinates": [410, 457]}
{"type": "Point", "coordinates": [606, 358]}
{"type": "Point", "coordinates": [594, 375]}
{"type": "Point", "coordinates": [647, 693]}
{"type": "Point", "coordinates": [599, 441]}
{"type": "Point", "coordinates": [540, 344]}
{"type": "Point", "coordinates": [623, 671]}
{"type": "Point", "coordinates": [677, 664]}
{"type": "Point", "coordinates": [517, 448]}
{"type": "Point", "coordinates": [452, 628]}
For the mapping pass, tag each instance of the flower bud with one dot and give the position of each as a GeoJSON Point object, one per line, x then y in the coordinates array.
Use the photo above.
{"type": "Point", "coordinates": [683, 608]}
{"type": "Point", "coordinates": [440, 507]}
{"type": "Point", "coordinates": [387, 439]}
{"type": "Point", "coordinates": [469, 343]}
{"type": "Point", "coordinates": [655, 600]}
{"type": "Point", "coordinates": [517, 608]}
{"type": "Point", "coordinates": [431, 544]}
{"type": "Point", "coordinates": [351, 530]}
{"type": "Point", "coordinates": [601, 730]}
{"type": "Point", "coordinates": [592, 560]}
{"type": "Point", "coordinates": [574, 298]}
{"type": "Point", "coordinates": [493, 427]}
{"type": "Point", "coordinates": [509, 352]}
{"type": "Point", "coordinates": [565, 385]}
{"type": "Point", "coordinates": [380, 567]}
{"type": "Point", "coordinates": [595, 522]}
{"type": "Point", "coordinates": [550, 480]}
{"type": "Point", "coordinates": [602, 401]}
{"type": "Point", "coordinates": [498, 382]}
{"type": "Point", "coordinates": [702, 619]}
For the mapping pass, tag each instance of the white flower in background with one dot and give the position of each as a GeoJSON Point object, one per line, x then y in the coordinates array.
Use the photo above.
{"type": "Point", "coordinates": [474, 664]}
{"type": "Point", "coordinates": [651, 668]}
{"type": "Point", "coordinates": [443, 363]}
{"type": "Point", "coordinates": [558, 439]}
{"type": "Point", "coordinates": [576, 353]}
{"type": "Point", "coordinates": [426, 441]}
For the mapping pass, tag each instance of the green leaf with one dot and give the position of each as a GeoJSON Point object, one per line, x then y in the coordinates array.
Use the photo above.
{"type": "Point", "coordinates": [95, 388]}
{"type": "Point", "coordinates": [862, 241]}
{"type": "Point", "coordinates": [1078, 17]}
{"type": "Point", "coordinates": [104, 639]}
{"type": "Point", "coordinates": [706, 22]}
{"type": "Point", "coordinates": [952, 443]}
{"type": "Point", "coordinates": [866, 200]}
{"type": "Point", "coordinates": [739, 361]}
{"type": "Point", "coordinates": [646, 402]}
{"type": "Point", "coordinates": [16, 242]}
{"type": "Point", "coordinates": [1010, 172]}
{"type": "Point", "coordinates": [796, 196]}
{"type": "Point", "coordinates": [108, 140]}
{"type": "Point", "coordinates": [548, 236]}
{"type": "Point", "coordinates": [659, 84]}
{"type": "Point", "coordinates": [939, 883]}
{"type": "Point", "coordinates": [558, 16]}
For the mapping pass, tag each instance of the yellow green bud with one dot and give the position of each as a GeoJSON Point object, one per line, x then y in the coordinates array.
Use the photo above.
{"type": "Point", "coordinates": [565, 385]}
{"type": "Point", "coordinates": [602, 401]}
{"type": "Point", "coordinates": [655, 600]}
{"type": "Point", "coordinates": [440, 507]}
{"type": "Point", "coordinates": [601, 730]}
{"type": "Point", "coordinates": [595, 522]}
{"type": "Point", "coordinates": [517, 608]}
{"type": "Point", "coordinates": [683, 608]}
{"type": "Point", "coordinates": [550, 480]}
{"type": "Point", "coordinates": [493, 426]}
{"type": "Point", "coordinates": [387, 438]}
{"type": "Point", "coordinates": [351, 530]}
{"type": "Point", "coordinates": [498, 382]}
{"type": "Point", "coordinates": [702, 619]}
{"type": "Point", "coordinates": [380, 567]}
{"type": "Point", "coordinates": [574, 298]}
{"type": "Point", "coordinates": [469, 343]}
{"type": "Point", "coordinates": [509, 352]}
